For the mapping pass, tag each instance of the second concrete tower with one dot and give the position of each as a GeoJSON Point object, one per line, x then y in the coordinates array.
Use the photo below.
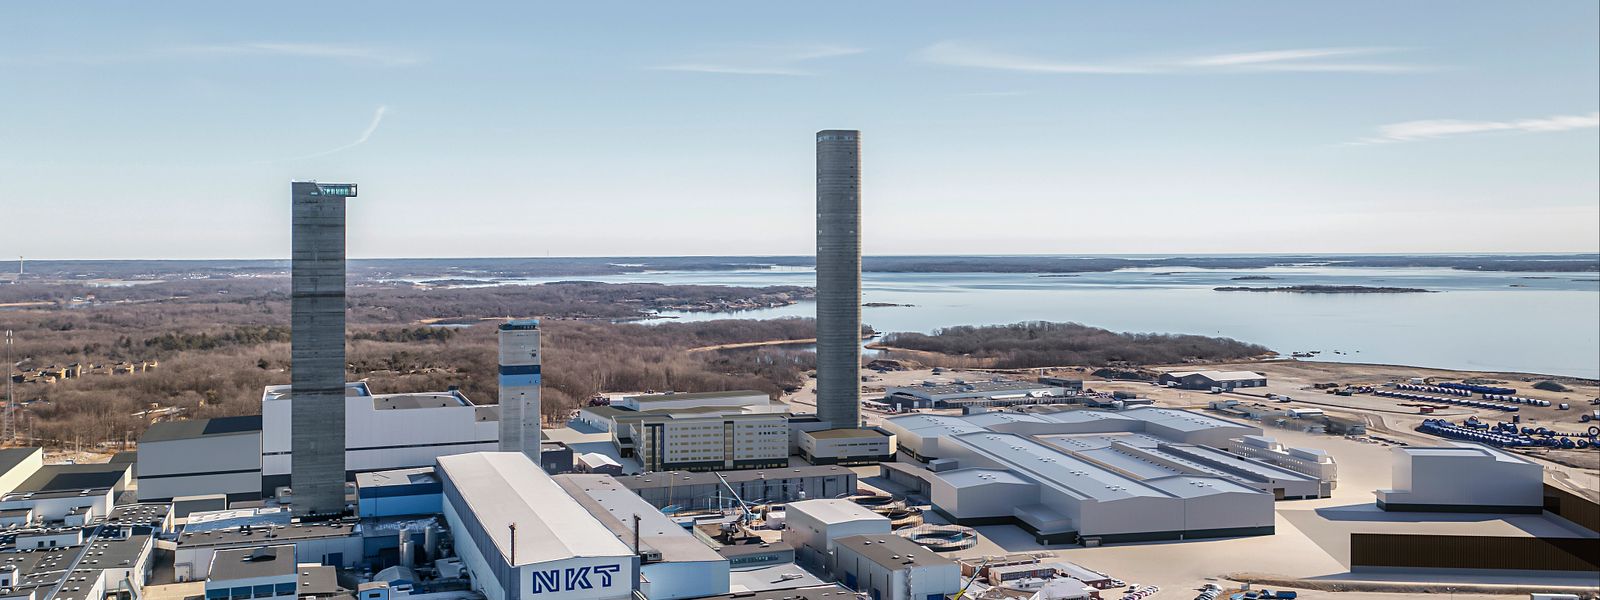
{"type": "Point", "coordinates": [839, 277]}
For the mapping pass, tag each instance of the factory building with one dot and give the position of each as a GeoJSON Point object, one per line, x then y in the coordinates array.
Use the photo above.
{"type": "Point", "coordinates": [96, 563]}
{"type": "Point", "coordinates": [387, 431]}
{"type": "Point", "coordinates": [335, 543]}
{"type": "Point", "coordinates": [201, 457]}
{"type": "Point", "coordinates": [999, 392]}
{"type": "Point", "coordinates": [17, 465]}
{"type": "Point", "coordinates": [839, 277]}
{"type": "Point", "coordinates": [704, 490]}
{"type": "Point", "coordinates": [1206, 380]}
{"type": "Point", "coordinates": [520, 535]}
{"type": "Point", "coordinates": [673, 563]}
{"type": "Point", "coordinates": [890, 567]}
{"type": "Point", "coordinates": [520, 388]}
{"type": "Point", "coordinates": [738, 399]}
{"type": "Point", "coordinates": [399, 492]}
{"type": "Point", "coordinates": [317, 344]}
{"type": "Point", "coordinates": [812, 526]}
{"type": "Point", "coordinates": [265, 573]}
{"type": "Point", "coordinates": [1306, 461]}
{"type": "Point", "coordinates": [845, 446]}
{"type": "Point", "coordinates": [69, 494]}
{"type": "Point", "coordinates": [1463, 477]}
{"type": "Point", "coordinates": [1096, 476]}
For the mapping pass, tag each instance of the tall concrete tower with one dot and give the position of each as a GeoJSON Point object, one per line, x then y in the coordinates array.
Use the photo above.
{"type": "Point", "coordinates": [519, 388]}
{"type": "Point", "coordinates": [839, 277]}
{"type": "Point", "coordinates": [317, 346]}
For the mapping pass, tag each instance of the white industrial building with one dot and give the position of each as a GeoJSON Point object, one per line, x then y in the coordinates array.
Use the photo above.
{"type": "Point", "coordinates": [671, 440]}
{"type": "Point", "coordinates": [1308, 461]}
{"type": "Point", "coordinates": [673, 563]}
{"type": "Point", "coordinates": [890, 567]}
{"type": "Point", "coordinates": [997, 392]}
{"type": "Point", "coordinates": [1463, 477]}
{"type": "Point", "coordinates": [334, 543]}
{"type": "Point", "coordinates": [845, 446]}
{"type": "Point", "coordinates": [706, 490]}
{"type": "Point", "coordinates": [388, 431]}
{"type": "Point", "coordinates": [520, 535]}
{"type": "Point", "coordinates": [201, 457]}
{"type": "Point", "coordinates": [811, 526]}
{"type": "Point", "coordinates": [1095, 476]}
{"type": "Point", "coordinates": [69, 494]}
{"type": "Point", "coordinates": [737, 399]}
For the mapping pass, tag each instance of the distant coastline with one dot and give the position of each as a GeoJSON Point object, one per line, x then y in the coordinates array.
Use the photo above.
{"type": "Point", "coordinates": [1327, 289]}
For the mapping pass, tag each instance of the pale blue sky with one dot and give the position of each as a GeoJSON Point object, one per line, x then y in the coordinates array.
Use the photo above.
{"type": "Point", "coordinates": [171, 130]}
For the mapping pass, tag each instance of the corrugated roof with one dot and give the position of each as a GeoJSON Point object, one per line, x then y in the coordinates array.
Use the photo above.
{"type": "Point", "coordinates": [506, 488]}
{"type": "Point", "coordinates": [197, 428]}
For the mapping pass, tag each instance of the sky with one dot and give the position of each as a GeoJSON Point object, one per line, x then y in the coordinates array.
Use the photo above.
{"type": "Point", "coordinates": [171, 130]}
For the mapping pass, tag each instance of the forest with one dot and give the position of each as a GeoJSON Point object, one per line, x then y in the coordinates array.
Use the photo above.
{"type": "Point", "coordinates": [1045, 344]}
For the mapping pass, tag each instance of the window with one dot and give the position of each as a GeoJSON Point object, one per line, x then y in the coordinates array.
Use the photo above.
{"type": "Point", "coordinates": [241, 593]}
{"type": "Point", "coordinates": [264, 591]}
{"type": "Point", "coordinates": [286, 589]}
{"type": "Point", "coordinates": [218, 594]}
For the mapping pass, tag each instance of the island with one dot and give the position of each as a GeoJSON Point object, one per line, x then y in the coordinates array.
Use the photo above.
{"type": "Point", "coordinates": [1327, 289]}
{"type": "Point", "coordinates": [1253, 278]}
{"type": "Point", "coordinates": [882, 304]}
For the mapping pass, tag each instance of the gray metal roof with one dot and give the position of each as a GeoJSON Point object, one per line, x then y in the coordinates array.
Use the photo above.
{"type": "Point", "coordinates": [248, 563]}
{"type": "Point", "coordinates": [615, 507]}
{"type": "Point", "coordinates": [675, 478]}
{"type": "Point", "coordinates": [501, 488]}
{"type": "Point", "coordinates": [167, 431]}
{"type": "Point", "coordinates": [11, 457]}
{"type": "Point", "coordinates": [697, 395]}
{"type": "Point", "coordinates": [1057, 469]}
{"type": "Point", "coordinates": [891, 551]}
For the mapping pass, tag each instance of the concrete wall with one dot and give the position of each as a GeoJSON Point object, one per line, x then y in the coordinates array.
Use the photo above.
{"type": "Point", "coordinates": [839, 277]}
{"type": "Point", "coordinates": [1475, 483]}
{"type": "Point", "coordinates": [25, 468]}
{"type": "Point", "coordinates": [317, 348]}
{"type": "Point", "coordinates": [226, 464]}
{"type": "Point", "coordinates": [382, 439]}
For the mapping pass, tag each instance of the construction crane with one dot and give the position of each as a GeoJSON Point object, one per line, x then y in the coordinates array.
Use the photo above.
{"type": "Point", "coordinates": [970, 580]}
{"type": "Point", "coordinates": [748, 516]}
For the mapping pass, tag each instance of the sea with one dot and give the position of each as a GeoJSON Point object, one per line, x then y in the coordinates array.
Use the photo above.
{"type": "Point", "coordinates": [1530, 322]}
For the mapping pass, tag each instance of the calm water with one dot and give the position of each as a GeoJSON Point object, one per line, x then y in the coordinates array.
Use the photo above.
{"type": "Point", "coordinates": [1529, 322]}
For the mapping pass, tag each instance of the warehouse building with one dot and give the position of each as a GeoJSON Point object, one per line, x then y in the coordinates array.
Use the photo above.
{"type": "Point", "coordinates": [520, 534]}
{"type": "Point", "coordinates": [735, 399]}
{"type": "Point", "coordinates": [264, 573]}
{"type": "Point", "coordinates": [890, 567]}
{"type": "Point", "coordinates": [704, 490]}
{"type": "Point", "coordinates": [398, 492]}
{"type": "Point", "coordinates": [673, 563]}
{"type": "Point", "coordinates": [93, 564]}
{"type": "Point", "coordinates": [71, 494]}
{"type": "Point", "coordinates": [1308, 461]}
{"type": "Point", "coordinates": [334, 543]}
{"type": "Point", "coordinates": [1095, 476]}
{"type": "Point", "coordinates": [1206, 380]}
{"type": "Point", "coordinates": [17, 465]}
{"type": "Point", "coordinates": [201, 457]}
{"type": "Point", "coordinates": [1463, 477]}
{"type": "Point", "coordinates": [998, 392]}
{"type": "Point", "coordinates": [812, 526]}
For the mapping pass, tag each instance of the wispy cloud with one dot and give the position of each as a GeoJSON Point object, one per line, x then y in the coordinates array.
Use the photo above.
{"type": "Point", "coordinates": [377, 119]}
{"type": "Point", "coordinates": [1303, 60]}
{"type": "Point", "coordinates": [785, 61]}
{"type": "Point", "coordinates": [343, 52]}
{"type": "Point", "coordinates": [1428, 129]}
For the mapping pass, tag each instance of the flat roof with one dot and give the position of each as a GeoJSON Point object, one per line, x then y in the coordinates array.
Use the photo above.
{"type": "Point", "coordinates": [520, 325]}
{"type": "Point", "coordinates": [844, 433]}
{"type": "Point", "coordinates": [248, 563]}
{"type": "Point", "coordinates": [696, 395]}
{"type": "Point", "coordinates": [615, 506]}
{"type": "Point", "coordinates": [833, 510]}
{"type": "Point", "coordinates": [74, 479]}
{"type": "Point", "coordinates": [1266, 471]}
{"type": "Point", "coordinates": [317, 580]}
{"type": "Point", "coordinates": [1182, 420]}
{"type": "Point", "coordinates": [283, 391]}
{"type": "Point", "coordinates": [419, 400]}
{"type": "Point", "coordinates": [672, 478]}
{"type": "Point", "coordinates": [1463, 449]}
{"type": "Point", "coordinates": [1057, 469]}
{"type": "Point", "coordinates": [981, 476]}
{"type": "Point", "coordinates": [1192, 486]}
{"type": "Point", "coordinates": [267, 535]}
{"type": "Point", "coordinates": [396, 477]}
{"type": "Point", "coordinates": [189, 429]}
{"type": "Point", "coordinates": [826, 592]}
{"type": "Point", "coordinates": [891, 551]}
{"type": "Point", "coordinates": [972, 387]}
{"type": "Point", "coordinates": [502, 488]}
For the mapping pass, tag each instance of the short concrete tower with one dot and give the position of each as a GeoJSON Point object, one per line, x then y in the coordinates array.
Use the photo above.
{"type": "Point", "coordinates": [839, 277]}
{"type": "Point", "coordinates": [317, 307]}
{"type": "Point", "coordinates": [519, 388]}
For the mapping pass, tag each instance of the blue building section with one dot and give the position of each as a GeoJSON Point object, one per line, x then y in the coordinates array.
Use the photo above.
{"type": "Point", "coordinates": [399, 492]}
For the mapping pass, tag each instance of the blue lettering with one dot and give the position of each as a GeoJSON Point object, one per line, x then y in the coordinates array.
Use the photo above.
{"type": "Point", "coordinates": [605, 573]}
{"type": "Point", "coordinates": [546, 580]}
{"type": "Point", "coordinates": [578, 579]}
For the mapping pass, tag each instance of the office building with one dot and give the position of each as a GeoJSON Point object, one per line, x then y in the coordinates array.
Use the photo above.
{"type": "Point", "coordinates": [839, 277]}
{"type": "Point", "coordinates": [520, 534]}
{"type": "Point", "coordinates": [846, 446]}
{"type": "Point", "coordinates": [317, 344]}
{"type": "Point", "coordinates": [519, 387]}
{"type": "Point", "coordinates": [1463, 477]}
{"type": "Point", "coordinates": [693, 442]}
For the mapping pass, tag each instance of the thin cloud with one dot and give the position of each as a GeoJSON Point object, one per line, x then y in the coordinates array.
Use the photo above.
{"type": "Point", "coordinates": [1302, 60]}
{"type": "Point", "coordinates": [343, 52]}
{"type": "Point", "coordinates": [377, 119]}
{"type": "Point", "coordinates": [784, 61]}
{"type": "Point", "coordinates": [1429, 129]}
